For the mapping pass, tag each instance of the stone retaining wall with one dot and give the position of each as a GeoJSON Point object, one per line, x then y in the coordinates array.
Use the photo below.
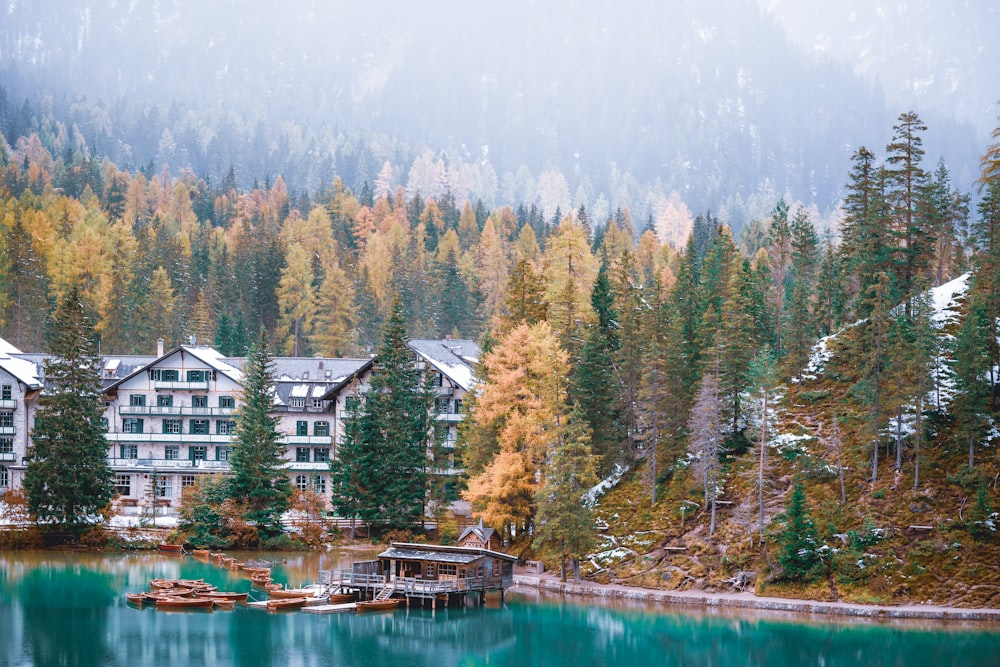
{"type": "Point", "coordinates": [750, 601]}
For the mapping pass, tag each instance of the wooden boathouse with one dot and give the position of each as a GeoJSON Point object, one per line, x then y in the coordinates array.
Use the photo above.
{"type": "Point", "coordinates": [425, 573]}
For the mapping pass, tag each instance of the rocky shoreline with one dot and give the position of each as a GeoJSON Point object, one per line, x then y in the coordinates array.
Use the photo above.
{"type": "Point", "coordinates": [751, 601]}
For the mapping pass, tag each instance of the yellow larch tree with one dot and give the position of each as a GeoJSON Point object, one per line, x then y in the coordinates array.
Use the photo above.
{"type": "Point", "coordinates": [517, 420]}
{"type": "Point", "coordinates": [570, 271]}
{"type": "Point", "coordinates": [296, 302]}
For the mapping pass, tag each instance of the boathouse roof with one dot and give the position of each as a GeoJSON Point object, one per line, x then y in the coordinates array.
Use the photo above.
{"type": "Point", "coordinates": [440, 553]}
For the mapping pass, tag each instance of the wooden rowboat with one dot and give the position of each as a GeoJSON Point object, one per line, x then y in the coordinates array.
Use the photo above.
{"type": "Point", "coordinates": [379, 605]}
{"type": "Point", "coordinates": [200, 553]}
{"type": "Point", "coordinates": [175, 583]}
{"type": "Point", "coordinates": [281, 605]}
{"type": "Point", "coordinates": [172, 548]}
{"type": "Point", "coordinates": [223, 604]}
{"type": "Point", "coordinates": [135, 598]}
{"type": "Point", "coordinates": [342, 598]}
{"type": "Point", "coordinates": [223, 595]}
{"type": "Point", "coordinates": [184, 603]}
{"type": "Point", "coordinates": [168, 593]}
{"type": "Point", "coordinates": [286, 593]}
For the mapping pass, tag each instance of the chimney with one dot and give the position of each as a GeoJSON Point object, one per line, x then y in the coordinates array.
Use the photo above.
{"type": "Point", "coordinates": [159, 347]}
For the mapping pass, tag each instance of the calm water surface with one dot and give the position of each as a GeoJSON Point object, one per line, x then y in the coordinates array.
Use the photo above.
{"type": "Point", "coordinates": [69, 609]}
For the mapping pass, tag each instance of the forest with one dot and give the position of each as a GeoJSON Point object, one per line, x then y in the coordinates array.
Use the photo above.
{"type": "Point", "coordinates": [674, 369]}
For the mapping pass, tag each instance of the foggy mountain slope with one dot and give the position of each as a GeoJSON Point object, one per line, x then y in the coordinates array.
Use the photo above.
{"type": "Point", "coordinates": [716, 105]}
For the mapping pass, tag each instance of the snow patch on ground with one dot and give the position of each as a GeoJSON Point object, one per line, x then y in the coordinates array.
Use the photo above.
{"type": "Point", "coordinates": [605, 485]}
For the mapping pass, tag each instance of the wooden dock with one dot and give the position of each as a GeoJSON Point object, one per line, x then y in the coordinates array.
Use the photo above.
{"type": "Point", "coordinates": [331, 608]}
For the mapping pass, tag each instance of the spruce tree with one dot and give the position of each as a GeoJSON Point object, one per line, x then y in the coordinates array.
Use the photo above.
{"type": "Point", "coordinates": [594, 387]}
{"type": "Point", "coordinates": [67, 478]}
{"type": "Point", "coordinates": [259, 480]}
{"type": "Point", "coordinates": [798, 542]}
{"type": "Point", "coordinates": [564, 524]}
{"type": "Point", "coordinates": [380, 475]}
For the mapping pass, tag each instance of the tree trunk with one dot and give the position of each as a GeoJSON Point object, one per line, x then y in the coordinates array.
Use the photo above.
{"type": "Point", "coordinates": [760, 473]}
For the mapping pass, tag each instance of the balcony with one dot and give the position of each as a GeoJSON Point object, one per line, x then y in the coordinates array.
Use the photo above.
{"type": "Point", "coordinates": [7, 430]}
{"type": "Point", "coordinates": [313, 440]}
{"type": "Point", "coordinates": [173, 411]}
{"type": "Point", "coordinates": [450, 417]}
{"type": "Point", "coordinates": [171, 438]}
{"type": "Point", "coordinates": [8, 404]}
{"type": "Point", "coordinates": [307, 466]}
{"type": "Point", "coordinates": [180, 385]}
{"type": "Point", "coordinates": [168, 465]}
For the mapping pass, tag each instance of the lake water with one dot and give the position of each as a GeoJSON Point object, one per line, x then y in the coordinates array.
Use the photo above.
{"type": "Point", "coordinates": [68, 609]}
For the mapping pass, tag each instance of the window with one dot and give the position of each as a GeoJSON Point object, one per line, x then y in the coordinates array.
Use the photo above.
{"type": "Point", "coordinates": [131, 425]}
{"type": "Point", "coordinates": [199, 401]}
{"type": "Point", "coordinates": [165, 400]}
{"type": "Point", "coordinates": [164, 487]}
{"type": "Point", "coordinates": [4, 477]}
{"type": "Point", "coordinates": [301, 482]}
{"type": "Point", "coordinates": [172, 452]}
{"type": "Point", "coordinates": [301, 428]}
{"type": "Point", "coordinates": [458, 405]}
{"type": "Point", "coordinates": [319, 484]}
{"type": "Point", "coordinates": [172, 425]}
{"type": "Point", "coordinates": [7, 419]}
{"type": "Point", "coordinates": [227, 402]}
{"type": "Point", "coordinates": [317, 403]}
{"type": "Point", "coordinates": [444, 569]}
{"type": "Point", "coordinates": [5, 392]}
{"type": "Point", "coordinates": [199, 426]}
{"type": "Point", "coordinates": [165, 375]}
{"type": "Point", "coordinates": [137, 400]}
{"type": "Point", "coordinates": [225, 427]}
{"type": "Point", "coordinates": [222, 453]}
{"type": "Point", "coordinates": [187, 481]}
{"type": "Point", "coordinates": [441, 405]}
{"type": "Point", "coordinates": [129, 451]}
{"type": "Point", "coordinates": [199, 376]}
{"type": "Point", "coordinates": [123, 484]}
{"type": "Point", "coordinates": [297, 402]}
{"type": "Point", "coordinates": [104, 423]}
{"type": "Point", "coordinates": [6, 445]}
{"type": "Point", "coordinates": [321, 428]}
{"type": "Point", "coordinates": [321, 454]}
{"type": "Point", "coordinates": [197, 452]}
{"type": "Point", "coordinates": [429, 570]}
{"type": "Point", "coordinates": [302, 454]}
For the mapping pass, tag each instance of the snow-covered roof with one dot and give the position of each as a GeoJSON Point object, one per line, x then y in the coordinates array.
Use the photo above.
{"type": "Point", "coordinates": [214, 359]}
{"type": "Point", "coordinates": [313, 377]}
{"type": "Point", "coordinates": [455, 358]}
{"type": "Point", "coordinates": [23, 370]}
{"type": "Point", "coordinates": [7, 348]}
{"type": "Point", "coordinates": [299, 391]}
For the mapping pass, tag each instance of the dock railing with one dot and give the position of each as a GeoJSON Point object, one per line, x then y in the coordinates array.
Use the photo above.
{"type": "Point", "coordinates": [411, 586]}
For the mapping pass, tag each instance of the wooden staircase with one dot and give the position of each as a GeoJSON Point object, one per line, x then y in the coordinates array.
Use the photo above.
{"type": "Point", "coordinates": [385, 593]}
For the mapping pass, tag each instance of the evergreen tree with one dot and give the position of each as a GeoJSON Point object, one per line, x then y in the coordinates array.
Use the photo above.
{"type": "Point", "coordinates": [258, 479]}
{"type": "Point", "coordinates": [798, 541]}
{"type": "Point", "coordinates": [524, 299]}
{"type": "Point", "coordinates": [705, 446]}
{"type": "Point", "coordinates": [67, 480]}
{"type": "Point", "coordinates": [594, 385]}
{"type": "Point", "coordinates": [380, 474]}
{"type": "Point", "coordinates": [564, 525]}
{"type": "Point", "coordinates": [905, 181]}
{"type": "Point", "coordinates": [780, 237]}
{"type": "Point", "coordinates": [801, 331]}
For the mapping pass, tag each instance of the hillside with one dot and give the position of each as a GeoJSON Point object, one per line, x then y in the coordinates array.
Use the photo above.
{"type": "Point", "coordinates": [887, 543]}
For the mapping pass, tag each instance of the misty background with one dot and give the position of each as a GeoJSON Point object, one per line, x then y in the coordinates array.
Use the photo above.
{"type": "Point", "coordinates": [667, 108]}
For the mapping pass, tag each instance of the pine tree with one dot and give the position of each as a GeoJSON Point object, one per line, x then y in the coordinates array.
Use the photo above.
{"type": "Point", "coordinates": [258, 478]}
{"type": "Point", "coordinates": [67, 480]}
{"type": "Point", "coordinates": [798, 541]}
{"type": "Point", "coordinates": [801, 331]}
{"type": "Point", "coordinates": [564, 526]}
{"type": "Point", "coordinates": [594, 385]}
{"type": "Point", "coordinates": [380, 475]}
{"type": "Point", "coordinates": [905, 181]}
{"type": "Point", "coordinates": [524, 299]}
{"type": "Point", "coordinates": [780, 236]}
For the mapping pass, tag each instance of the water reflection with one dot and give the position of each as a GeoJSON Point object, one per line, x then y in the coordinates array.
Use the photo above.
{"type": "Point", "coordinates": [67, 609]}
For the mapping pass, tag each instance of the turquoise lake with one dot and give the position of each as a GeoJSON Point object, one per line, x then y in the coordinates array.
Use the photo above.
{"type": "Point", "coordinates": [69, 609]}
